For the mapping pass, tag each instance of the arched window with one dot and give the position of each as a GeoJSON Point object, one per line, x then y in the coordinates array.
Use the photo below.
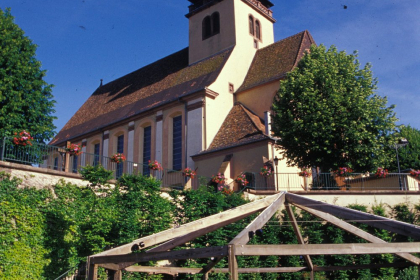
{"type": "Point", "coordinates": [215, 18]}
{"type": "Point", "coordinates": [206, 27]}
{"type": "Point", "coordinates": [211, 25]}
{"type": "Point", "coordinates": [251, 25]}
{"type": "Point", "coordinates": [257, 30]}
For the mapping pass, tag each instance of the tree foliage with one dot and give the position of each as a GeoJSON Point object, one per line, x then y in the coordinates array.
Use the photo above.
{"type": "Point", "coordinates": [409, 156]}
{"type": "Point", "coordinates": [26, 102]}
{"type": "Point", "coordinates": [46, 232]}
{"type": "Point", "coordinates": [328, 115]}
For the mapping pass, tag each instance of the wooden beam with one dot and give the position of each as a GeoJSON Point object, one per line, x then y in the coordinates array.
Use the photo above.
{"type": "Point", "coordinates": [193, 235]}
{"type": "Point", "coordinates": [357, 216]}
{"type": "Point", "coordinates": [327, 249]}
{"type": "Point", "coordinates": [362, 266]}
{"type": "Point", "coordinates": [111, 266]}
{"type": "Point", "coordinates": [211, 265]}
{"type": "Point", "coordinates": [260, 221]}
{"type": "Point", "coordinates": [214, 220]}
{"type": "Point", "coordinates": [298, 234]}
{"type": "Point", "coordinates": [356, 231]}
{"type": "Point", "coordinates": [197, 253]}
{"type": "Point", "coordinates": [233, 264]}
{"type": "Point", "coordinates": [186, 270]}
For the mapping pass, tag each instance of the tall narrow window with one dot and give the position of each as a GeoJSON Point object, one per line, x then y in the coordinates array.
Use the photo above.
{"type": "Point", "coordinates": [75, 161]}
{"type": "Point", "coordinates": [120, 149]}
{"type": "Point", "coordinates": [215, 18]}
{"type": "Point", "coordinates": [55, 163]}
{"type": "Point", "coordinates": [96, 154]}
{"type": "Point", "coordinates": [257, 30]}
{"type": "Point", "coordinates": [206, 27]}
{"type": "Point", "coordinates": [147, 148]}
{"type": "Point", "coordinates": [251, 25]}
{"type": "Point", "coordinates": [177, 143]}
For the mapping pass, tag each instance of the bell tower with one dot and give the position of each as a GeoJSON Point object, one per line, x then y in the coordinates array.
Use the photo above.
{"type": "Point", "coordinates": [215, 25]}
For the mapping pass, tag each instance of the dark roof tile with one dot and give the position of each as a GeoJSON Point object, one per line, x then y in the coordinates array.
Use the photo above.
{"type": "Point", "coordinates": [156, 84]}
{"type": "Point", "coordinates": [240, 127]}
{"type": "Point", "coordinates": [274, 61]}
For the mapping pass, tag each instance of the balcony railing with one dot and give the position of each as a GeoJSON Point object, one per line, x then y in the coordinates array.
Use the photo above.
{"type": "Point", "coordinates": [55, 158]}
{"type": "Point", "coordinates": [51, 157]}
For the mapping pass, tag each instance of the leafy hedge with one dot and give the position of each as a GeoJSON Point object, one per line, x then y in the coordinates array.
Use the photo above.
{"type": "Point", "coordinates": [43, 233]}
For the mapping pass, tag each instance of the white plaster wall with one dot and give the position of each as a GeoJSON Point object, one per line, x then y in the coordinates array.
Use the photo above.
{"type": "Point", "coordinates": [130, 144]}
{"type": "Point", "coordinates": [159, 135]}
{"type": "Point", "coordinates": [194, 134]}
{"type": "Point", "coordinates": [236, 68]}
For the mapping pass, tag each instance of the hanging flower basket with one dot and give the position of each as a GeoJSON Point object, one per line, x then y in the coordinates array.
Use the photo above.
{"type": "Point", "coordinates": [188, 172]}
{"type": "Point", "coordinates": [118, 158]}
{"type": "Point", "coordinates": [155, 165]}
{"type": "Point", "coordinates": [415, 173]}
{"type": "Point", "coordinates": [343, 172]}
{"type": "Point", "coordinates": [241, 180]}
{"type": "Point", "coordinates": [74, 149]}
{"type": "Point", "coordinates": [219, 178]}
{"type": "Point", "coordinates": [305, 173]}
{"type": "Point", "coordinates": [381, 173]}
{"type": "Point", "coordinates": [23, 138]}
{"type": "Point", "coordinates": [266, 171]}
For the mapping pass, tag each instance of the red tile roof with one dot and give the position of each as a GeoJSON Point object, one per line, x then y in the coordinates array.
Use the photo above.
{"type": "Point", "coordinates": [240, 127]}
{"type": "Point", "coordinates": [154, 85]}
{"type": "Point", "coordinates": [274, 61]}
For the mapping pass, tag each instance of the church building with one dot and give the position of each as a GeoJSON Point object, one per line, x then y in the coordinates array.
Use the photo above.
{"type": "Point", "coordinates": [207, 106]}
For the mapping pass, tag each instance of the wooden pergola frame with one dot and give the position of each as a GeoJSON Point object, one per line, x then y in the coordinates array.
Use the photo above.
{"type": "Point", "coordinates": [121, 258]}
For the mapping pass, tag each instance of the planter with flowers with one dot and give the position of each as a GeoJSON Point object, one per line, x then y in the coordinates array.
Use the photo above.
{"type": "Point", "coordinates": [189, 173]}
{"type": "Point", "coordinates": [241, 180]}
{"type": "Point", "coordinates": [23, 138]}
{"type": "Point", "coordinates": [381, 172]}
{"type": "Point", "coordinates": [415, 173]}
{"type": "Point", "coordinates": [118, 158]}
{"type": "Point", "coordinates": [305, 173]}
{"type": "Point", "coordinates": [343, 172]}
{"type": "Point", "coordinates": [218, 179]}
{"type": "Point", "coordinates": [266, 171]}
{"type": "Point", "coordinates": [155, 166]}
{"type": "Point", "coordinates": [74, 149]}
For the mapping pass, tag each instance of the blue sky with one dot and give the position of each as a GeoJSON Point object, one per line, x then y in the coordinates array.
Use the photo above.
{"type": "Point", "coordinates": [83, 41]}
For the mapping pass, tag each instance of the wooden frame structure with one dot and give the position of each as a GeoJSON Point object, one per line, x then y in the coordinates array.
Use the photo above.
{"type": "Point", "coordinates": [121, 258]}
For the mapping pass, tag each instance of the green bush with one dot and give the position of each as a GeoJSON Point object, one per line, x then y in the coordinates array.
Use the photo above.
{"type": "Point", "coordinates": [96, 175]}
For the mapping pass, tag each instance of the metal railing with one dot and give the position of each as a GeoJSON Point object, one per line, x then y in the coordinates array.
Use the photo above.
{"type": "Point", "coordinates": [354, 182]}
{"type": "Point", "coordinates": [56, 158]}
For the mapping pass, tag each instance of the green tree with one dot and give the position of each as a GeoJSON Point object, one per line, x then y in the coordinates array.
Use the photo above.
{"type": "Point", "coordinates": [328, 115]}
{"type": "Point", "coordinates": [26, 102]}
{"type": "Point", "coordinates": [409, 156]}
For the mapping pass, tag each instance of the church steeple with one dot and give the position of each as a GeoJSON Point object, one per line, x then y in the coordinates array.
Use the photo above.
{"type": "Point", "coordinates": [215, 25]}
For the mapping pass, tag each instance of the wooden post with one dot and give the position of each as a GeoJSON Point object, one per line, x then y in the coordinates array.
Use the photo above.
{"type": "Point", "coordinates": [114, 275]}
{"type": "Point", "coordinates": [233, 264]}
{"type": "Point", "coordinates": [92, 272]}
